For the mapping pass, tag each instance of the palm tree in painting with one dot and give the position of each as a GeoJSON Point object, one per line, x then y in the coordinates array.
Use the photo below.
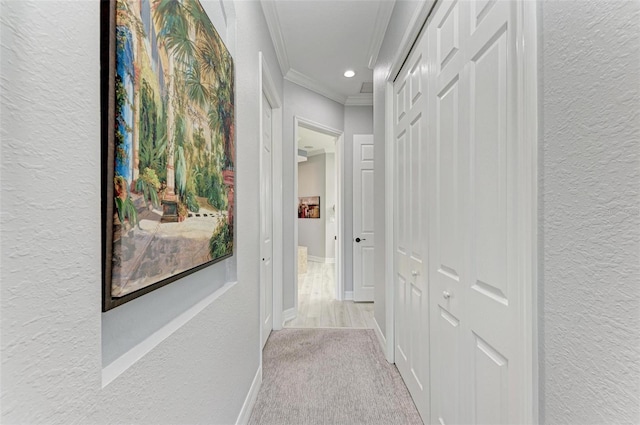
{"type": "Point", "coordinates": [201, 87]}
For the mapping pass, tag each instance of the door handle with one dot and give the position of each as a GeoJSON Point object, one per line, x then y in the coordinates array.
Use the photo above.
{"type": "Point", "coordinates": [358, 240]}
{"type": "Point", "coordinates": [446, 295]}
{"type": "Point", "coordinates": [415, 273]}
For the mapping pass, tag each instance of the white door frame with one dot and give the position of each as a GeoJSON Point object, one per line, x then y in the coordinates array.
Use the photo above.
{"type": "Point", "coordinates": [338, 134]}
{"type": "Point", "coordinates": [527, 51]}
{"type": "Point", "coordinates": [268, 87]}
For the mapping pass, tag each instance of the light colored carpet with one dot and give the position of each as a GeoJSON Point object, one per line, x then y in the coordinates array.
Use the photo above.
{"type": "Point", "coordinates": [330, 377]}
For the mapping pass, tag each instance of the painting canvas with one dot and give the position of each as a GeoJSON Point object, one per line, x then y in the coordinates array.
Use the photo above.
{"type": "Point", "coordinates": [168, 145]}
{"type": "Point", "coordinates": [309, 207]}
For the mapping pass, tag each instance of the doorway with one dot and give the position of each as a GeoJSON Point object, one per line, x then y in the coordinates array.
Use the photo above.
{"type": "Point", "coordinates": [319, 230]}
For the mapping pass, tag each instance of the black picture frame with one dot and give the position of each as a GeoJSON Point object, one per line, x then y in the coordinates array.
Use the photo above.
{"type": "Point", "coordinates": [222, 144]}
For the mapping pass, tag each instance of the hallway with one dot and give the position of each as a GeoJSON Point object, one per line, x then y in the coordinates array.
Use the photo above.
{"type": "Point", "coordinates": [502, 243]}
{"type": "Point", "coordinates": [331, 377]}
{"type": "Point", "coordinates": [317, 304]}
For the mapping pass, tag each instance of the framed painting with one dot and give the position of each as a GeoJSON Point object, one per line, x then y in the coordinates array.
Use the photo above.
{"type": "Point", "coordinates": [168, 145]}
{"type": "Point", "coordinates": [309, 207]}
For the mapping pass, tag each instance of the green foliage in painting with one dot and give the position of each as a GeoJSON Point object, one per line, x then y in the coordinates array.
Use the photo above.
{"type": "Point", "coordinates": [124, 205]}
{"type": "Point", "coordinates": [221, 243]}
{"type": "Point", "coordinates": [148, 184]}
{"type": "Point", "coordinates": [192, 202]}
{"type": "Point", "coordinates": [153, 139]}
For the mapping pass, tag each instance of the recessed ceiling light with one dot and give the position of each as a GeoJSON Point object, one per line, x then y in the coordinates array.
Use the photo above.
{"type": "Point", "coordinates": [349, 73]}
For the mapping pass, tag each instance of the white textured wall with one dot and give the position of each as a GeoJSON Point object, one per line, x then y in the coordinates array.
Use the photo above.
{"type": "Point", "coordinates": [312, 182]}
{"type": "Point", "coordinates": [590, 212]}
{"type": "Point", "coordinates": [400, 19]}
{"type": "Point", "coordinates": [357, 120]}
{"type": "Point", "coordinates": [51, 323]}
{"type": "Point", "coordinates": [302, 103]}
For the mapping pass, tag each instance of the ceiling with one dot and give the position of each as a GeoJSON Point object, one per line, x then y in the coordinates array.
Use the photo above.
{"type": "Point", "coordinates": [314, 143]}
{"type": "Point", "coordinates": [316, 41]}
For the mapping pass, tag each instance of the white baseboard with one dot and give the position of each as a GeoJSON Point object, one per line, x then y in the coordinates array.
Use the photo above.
{"type": "Point", "coordinates": [289, 314]}
{"type": "Point", "coordinates": [348, 295]}
{"type": "Point", "coordinates": [250, 400]}
{"type": "Point", "coordinates": [381, 338]}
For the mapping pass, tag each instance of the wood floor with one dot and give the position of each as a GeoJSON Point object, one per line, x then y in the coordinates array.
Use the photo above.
{"type": "Point", "coordinates": [318, 308]}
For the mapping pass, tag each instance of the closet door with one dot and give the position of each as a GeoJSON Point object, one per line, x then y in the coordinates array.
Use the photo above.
{"type": "Point", "coordinates": [477, 357]}
{"type": "Point", "coordinates": [448, 232]}
{"type": "Point", "coordinates": [411, 280]}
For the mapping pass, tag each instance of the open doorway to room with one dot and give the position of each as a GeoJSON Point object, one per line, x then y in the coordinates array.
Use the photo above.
{"type": "Point", "coordinates": [319, 187]}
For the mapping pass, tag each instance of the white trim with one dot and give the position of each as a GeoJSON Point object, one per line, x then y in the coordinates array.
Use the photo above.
{"type": "Point", "coordinates": [312, 125]}
{"type": "Point", "coordinates": [381, 339]}
{"type": "Point", "coordinates": [273, 23]}
{"type": "Point", "coordinates": [250, 400]}
{"type": "Point", "coordinates": [385, 9]}
{"type": "Point", "coordinates": [360, 99]}
{"type": "Point", "coordinates": [348, 295]}
{"type": "Point", "coordinates": [289, 314]}
{"type": "Point", "coordinates": [129, 358]}
{"type": "Point", "coordinates": [527, 57]}
{"type": "Point", "coordinates": [270, 11]}
{"type": "Point", "coordinates": [339, 259]}
{"type": "Point", "coordinates": [411, 34]}
{"type": "Point", "coordinates": [268, 87]}
{"type": "Point", "coordinates": [388, 224]}
{"type": "Point", "coordinates": [314, 85]}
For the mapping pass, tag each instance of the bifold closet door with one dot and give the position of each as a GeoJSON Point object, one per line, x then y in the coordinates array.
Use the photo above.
{"type": "Point", "coordinates": [459, 280]}
{"type": "Point", "coordinates": [475, 296]}
{"type": "Point", "coordinates": [410, 243]}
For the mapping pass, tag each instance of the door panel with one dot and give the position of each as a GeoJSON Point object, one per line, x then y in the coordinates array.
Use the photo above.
{"type": "Point", "coordinates": [490, 384]}
{"type": "Point", "coordinates": [495, 288]}
{"type": "Point", "coordinates": [363, 208]}
{"type": "Point", "coordinates": [446, 379]}
{"type": "Point", "coordinates": [459, 319]}
{"type": "Point", "coordinates": [266, 222]}
{"type": "Point", "coordinates": [411, 303]}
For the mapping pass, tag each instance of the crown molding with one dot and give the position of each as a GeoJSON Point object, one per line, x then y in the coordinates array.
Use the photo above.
{"type": "Point", "coordinates": [360, 99]}
{"type": "Point", "coordinates": [273, 23]}
{"type": "Point", "coordinates": [385, 9]}
{"type": "Point", "coordinates": [309, 83]}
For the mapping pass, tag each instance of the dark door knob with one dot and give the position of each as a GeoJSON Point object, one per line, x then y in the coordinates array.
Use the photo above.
{"type": "Point", "coordinates": [358, 240]}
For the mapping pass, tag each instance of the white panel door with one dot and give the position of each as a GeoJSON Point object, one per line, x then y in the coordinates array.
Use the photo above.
{"type": "Point", "coordinates": [411, 279]}
{"type": "Point", "coordinates": [363, 236]}
{"type": "Point", "coordinates": [266, 222]}
{"type": "Point", "coordinates": [459, 270]}
{"type": "Point", "coordinates": [446, 226]}
{"type": "Point", "coordinates": [477, 360]}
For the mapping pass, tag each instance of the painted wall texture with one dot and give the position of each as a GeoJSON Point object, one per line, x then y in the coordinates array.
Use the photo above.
{"type": "Point", "coordinates": [312, 182]}
{"type": "Point", "coordinates": [589, 299]}
{"type": "Point", "coordinates": [50, 316]}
